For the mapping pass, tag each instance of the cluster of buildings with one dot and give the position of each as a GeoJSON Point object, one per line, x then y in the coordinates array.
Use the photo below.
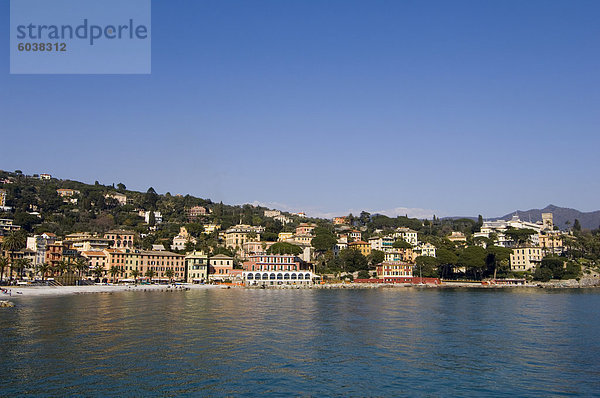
{"type": "Point", "coordinates": [117, 248]}
{"type": "Point", "coordinates": [545, 240]}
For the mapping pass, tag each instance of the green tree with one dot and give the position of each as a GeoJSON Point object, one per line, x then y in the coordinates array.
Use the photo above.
{"type": "Point", "coordinates": [376, 257]}
{"type": "Point", "coordinates": [497, 261]}
{"type": "Point", "coordinates": [323, 242]}
{"type": "Point", "coordinates": [169, 274]}
{"type": "Point", "coordinates": [151, 219]}
{"type": "Point", "coordinates": [284, 248]}
{"type": "Point", "coordinates": [426, 266]}
{"type": "Point", "coordinates": [149, 274]}
{"type": "Point", "coordinates": [114, 271]}
{"type": "Point", "coordinates": [363, 274]}
{"type": "Point", "coordinates": [353, 260]}
{"type": "Point", "coordinates": [4, 261]}
{"type": "Point", "coordinates": [82, 266]}
{"type": "Point", "coordinates": [98, 271]}
{"type": "Point", "coordinates": [519, 235]}
{"type": "Point", "coordinates": [13, 242]}
{"type": "Point", "coordinates": [447, 260]}
{"type": "Point", "coordinates": [150, 199]}
{"type": "Point", "coordinates": [576, 226]}
{"type": "Point", "coordinates": [401, 244]}
{"type": "Point", "coordinates": [135, 274]}
{"type": "Point", "coordinates": [473, 259]}
{"type": "Point", "coordinates": [43, 269]}
{"type": "Point", "coordinates": [551, 267]}
{"type": "Point", "coordinates": [21, 264]}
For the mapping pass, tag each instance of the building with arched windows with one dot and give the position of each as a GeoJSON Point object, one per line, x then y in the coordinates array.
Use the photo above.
{"type": "Point", "coordinates": [274, 278]}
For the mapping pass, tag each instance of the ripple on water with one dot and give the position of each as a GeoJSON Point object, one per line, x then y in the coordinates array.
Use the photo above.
{"type": "Point", "coordinates": [304, 342]}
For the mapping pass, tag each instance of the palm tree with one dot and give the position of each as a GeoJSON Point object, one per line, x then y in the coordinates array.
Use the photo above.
{"type": "Point", "coordinates": [3, 264]}
{"type": "Point", "coordinates": [135, 273]}
{"type": "Point", "coordinates": [114, 270]}
{"type": "Point", "coordinates": [14, 241]}
{"type": "Point", "coordinates": [98, 271]}
{"type": "Point", "coordinates": [82, 265]}
{"type": "Point", "coordinates": [169, 274]}
{"type": "Point", "coordinates": [44, 269]}
{"type": "Point", "coordinates": [20, 265]}
{"type": "Point", "coordinates": [150, 274]}
{"type": "Point", "coordinates": [64, 267]}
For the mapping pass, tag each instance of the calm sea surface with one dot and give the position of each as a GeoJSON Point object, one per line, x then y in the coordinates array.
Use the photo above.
{"type": "Point", "coordinates": [385, 342]}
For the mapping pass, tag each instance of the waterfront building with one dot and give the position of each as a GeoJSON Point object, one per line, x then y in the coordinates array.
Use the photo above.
{"type": "Point", "coordinates": [276, 269]}
{"type": "Point", "coordinates": [54, 253]}
{"type": "Point", "coordinates": [143, 260]}
{"type": "Point", "coordinates": [361, 246]}
{"type": "Point", "coordinates": [38, 244]}
{"type": "Point", "coordinates": [220, 267]}
{"type": "Point", "coordinates": [96, 259]}
{"type": "Point", "coordinates": [84, 241]}
{"type": "Point", "coordinates": [196, 264]}
{"type": "Point", "coordinates": [525, 258]}
{"type": "Point", "coordinates": [273, 262]}
{"type": "Point", "coordinates": [395, 272]}
{"type": "Point", "coordinates": [120, 238]}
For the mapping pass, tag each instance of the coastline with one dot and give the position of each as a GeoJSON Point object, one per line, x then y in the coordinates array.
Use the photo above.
{"type": "Point", "coordinates": [36, 291]}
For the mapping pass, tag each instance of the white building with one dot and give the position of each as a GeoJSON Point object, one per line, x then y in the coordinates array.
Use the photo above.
{"type": "Point", "coordinates": [157, 217]}
{"type": "Point", "coordinates": [425, 249]}
{"type": "Point", "coordinates": [272, 213]}
{"type": "Point", "coordinates": [407, 234]}
{"type": "Point", "coordinates": [383, 243]}
{"type": "Point", "coordinates": [499, 228]}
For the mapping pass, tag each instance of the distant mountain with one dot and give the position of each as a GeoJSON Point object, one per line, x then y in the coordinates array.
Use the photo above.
{"type": "Point", "coordinates": [590, 220]}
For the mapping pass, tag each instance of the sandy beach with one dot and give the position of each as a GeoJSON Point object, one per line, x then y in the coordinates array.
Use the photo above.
{"type": "Point", "coordinates": [29, 291]}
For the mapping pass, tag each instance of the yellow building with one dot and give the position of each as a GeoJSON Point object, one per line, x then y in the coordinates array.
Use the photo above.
{"type": "Point", "coordinates": [551, 243]}
{"type": "Point", "coordinates": [237, 235]}
{"type": "Point", "coordinates": [283, 236]}
{"type": "Point", "coordinates": [525, 258]}
{"type": "Point", "coordinates": [363, 247]}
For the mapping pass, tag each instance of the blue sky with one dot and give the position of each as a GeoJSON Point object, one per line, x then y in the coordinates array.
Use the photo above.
{"type": "Point", "coordinates": [450, 107]}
